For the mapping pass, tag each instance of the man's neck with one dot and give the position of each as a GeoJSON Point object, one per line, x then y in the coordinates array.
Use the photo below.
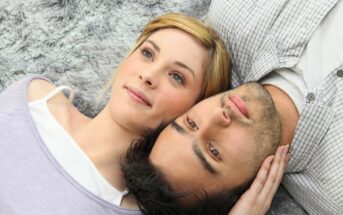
{"type": "Point", "coordinates": [288, 113]}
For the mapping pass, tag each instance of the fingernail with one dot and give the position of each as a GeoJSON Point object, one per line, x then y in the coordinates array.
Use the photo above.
{"type": "Point", "coordinates": [288, 156]}
{"type": "Point", "coordinates": [271, 160]}
{"type": "Point", "coordinates": [286, 147]}
{"type": "Point", "coordinates": [286, 150]}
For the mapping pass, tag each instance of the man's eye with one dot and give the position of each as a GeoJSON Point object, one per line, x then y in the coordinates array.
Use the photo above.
{"type": "Point", "coordinates": [147, 53]}
{"type": "Point", "coordinates": [178, 78]}
{"type": "Point", "coordinates": [214, 151]}
{"type": "Point", "coordinates": [192, 124]}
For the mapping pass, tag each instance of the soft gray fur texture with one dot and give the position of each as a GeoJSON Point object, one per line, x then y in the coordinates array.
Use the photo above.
{"type": "Point", "coordinates": [80, 43]}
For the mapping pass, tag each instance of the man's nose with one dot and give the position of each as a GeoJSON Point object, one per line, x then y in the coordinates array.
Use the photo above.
{"type": "Point", "coordinates": [218, 118]}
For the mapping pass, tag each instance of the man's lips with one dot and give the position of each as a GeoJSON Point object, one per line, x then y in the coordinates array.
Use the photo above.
{"type": "Point", "coordinates": [138, 96]}
{"type": "Point", "coordinates": [240, 105]}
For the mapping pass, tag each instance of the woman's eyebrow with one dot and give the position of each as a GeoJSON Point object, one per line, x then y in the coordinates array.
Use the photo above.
{"type": "Point", "coordinates": [154, 45]}
{"type": "Point", "coordinates": [185, 66]}
{"type": "Point", "coordinates": [158, 49]}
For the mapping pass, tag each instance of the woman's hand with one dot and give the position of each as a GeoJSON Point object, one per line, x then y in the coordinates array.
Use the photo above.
{"type": "Point", "coordinates": [257, 199]}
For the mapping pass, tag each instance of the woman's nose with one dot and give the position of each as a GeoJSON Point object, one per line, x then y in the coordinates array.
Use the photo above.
{"type": "Point", "coordinates": [147, 80]}
{"type": "Point", "coordinates": [150, 76]}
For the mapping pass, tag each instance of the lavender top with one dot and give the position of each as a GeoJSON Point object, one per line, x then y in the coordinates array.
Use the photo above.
{"type": "Point", "coordinates": [31, 179]}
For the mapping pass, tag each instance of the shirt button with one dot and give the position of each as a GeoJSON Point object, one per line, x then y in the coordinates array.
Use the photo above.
{"type": "Point", "coordinates": [310, 97]}
{"type": "Point", "coordinates": [340, 73]}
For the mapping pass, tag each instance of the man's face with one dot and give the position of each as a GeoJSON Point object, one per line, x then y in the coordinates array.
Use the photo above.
{"type": "Point", "coordinates": [211, 147]}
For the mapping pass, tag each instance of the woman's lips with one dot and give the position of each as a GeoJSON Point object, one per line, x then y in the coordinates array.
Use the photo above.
{"type": "Point", "coordinates": [239, 103]}
{"type": "Point", "coordinates": [138, 96]}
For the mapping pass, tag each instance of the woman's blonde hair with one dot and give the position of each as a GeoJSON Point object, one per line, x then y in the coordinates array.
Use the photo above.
{"type": "Point", "coordinates": [218, 67]}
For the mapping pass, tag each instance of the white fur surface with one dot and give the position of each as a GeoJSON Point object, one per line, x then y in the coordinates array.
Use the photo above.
{"type": "Point", "coordinates": [75, 42]}
{"type": "Point", "coordinates": [80, 43]}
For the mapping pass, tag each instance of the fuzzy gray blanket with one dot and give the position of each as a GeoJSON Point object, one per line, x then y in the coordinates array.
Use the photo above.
{"type": "Point", "coordinates": [80, 42]}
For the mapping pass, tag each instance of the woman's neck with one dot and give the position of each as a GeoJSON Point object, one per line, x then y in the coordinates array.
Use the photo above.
{"type": "Point", "coordinates": [105, 142]}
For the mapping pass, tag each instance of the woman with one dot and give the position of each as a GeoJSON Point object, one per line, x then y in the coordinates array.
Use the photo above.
{"type": "Point", "coordinates": [176, 61]}
{"type": "Point", "coordinates": [69, 163]}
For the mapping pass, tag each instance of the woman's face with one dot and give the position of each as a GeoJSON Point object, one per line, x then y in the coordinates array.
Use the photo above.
{"type": "Point", "coordinates": [159, 81]}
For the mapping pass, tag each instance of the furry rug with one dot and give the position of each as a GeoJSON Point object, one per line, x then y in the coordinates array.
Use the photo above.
{"type": "Point", "coordinates": [80, 42]}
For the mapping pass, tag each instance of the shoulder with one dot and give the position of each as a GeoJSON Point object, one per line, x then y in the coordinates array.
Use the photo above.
{"type": "Point", "coordinates": [38, 88]}
{"type": "Point", "coordinates": [59, 105]}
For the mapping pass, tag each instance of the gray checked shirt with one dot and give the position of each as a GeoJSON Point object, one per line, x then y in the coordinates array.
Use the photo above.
{"type": "Point", "coordinates": [263, 35]}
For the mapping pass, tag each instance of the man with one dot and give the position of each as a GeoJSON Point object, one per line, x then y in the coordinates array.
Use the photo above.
{"type": "Point", "coordinates": [206, 158]}
{"type": "Point", "coordinates": [296, 46]}
{"type": "Point", "coordinates": [295, 49]}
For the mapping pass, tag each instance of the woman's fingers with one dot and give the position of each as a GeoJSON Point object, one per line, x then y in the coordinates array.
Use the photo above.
{"type": "Point", "coordinates": [281, 170]}
{"type": "Point", "coordinates": [261, 192]}
{"type": "Point", "coordinates": [260, 180]}
{"type": "Point", "coordinates": [275, 174]}
{"type": "Point", "coordinates": [249, 201]}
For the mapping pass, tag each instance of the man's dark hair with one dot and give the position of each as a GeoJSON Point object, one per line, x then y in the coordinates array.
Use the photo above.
{"type": "Point", "coordinates": [153, 193]}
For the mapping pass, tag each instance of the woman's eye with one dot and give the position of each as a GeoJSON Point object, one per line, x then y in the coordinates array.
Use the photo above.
{"type": "Point", "coordinates": [147, 53]}
{"type": "Point", "coordinates": [178, 78]}
{"type": "Point", "coordinates": [192, 124]}
{"type": "Point", "coordinates": [214, 151]}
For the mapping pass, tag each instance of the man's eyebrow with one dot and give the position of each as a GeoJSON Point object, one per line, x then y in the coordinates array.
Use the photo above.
{"type": "Point", "coordinates": [201, 157]}
{"type": "Point", "coordinates": [196, 149]}
{"type": "Point", "coordinates": [154, 45]}
{"type": "Point", "coordinates": [177, 127]}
